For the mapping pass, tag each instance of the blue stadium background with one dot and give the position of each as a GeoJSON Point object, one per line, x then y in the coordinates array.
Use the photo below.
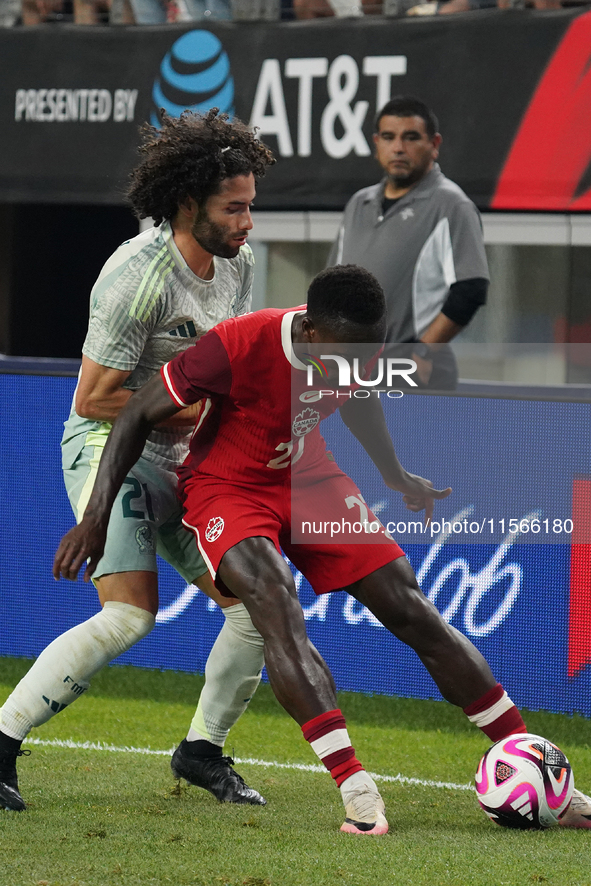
{"type": "Point", "coordinates": [503, 458]}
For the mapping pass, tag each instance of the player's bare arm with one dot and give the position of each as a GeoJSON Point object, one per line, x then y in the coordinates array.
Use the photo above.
{"type": "Point", "coordinates": [148, 407]}
{"type": "Point", "coordinates": [365, 419]}
{"type": "Point", "coordinates": [100, 395]}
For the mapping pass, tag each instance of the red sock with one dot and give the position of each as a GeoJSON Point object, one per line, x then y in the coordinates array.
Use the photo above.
{"type": "Point", "coordinates": [329, 738]}
{"type": "Point", "coordinates": [495, 714]}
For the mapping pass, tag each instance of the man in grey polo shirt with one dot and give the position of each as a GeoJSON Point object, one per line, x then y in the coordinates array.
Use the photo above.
{"type": "Point", "coordinates": [421, 236]}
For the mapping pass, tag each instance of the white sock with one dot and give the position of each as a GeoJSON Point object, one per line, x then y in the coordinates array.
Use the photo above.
{"type": "Point", "coordinates": [64, 669]}
{"type": "Point", "coordinates": [232, 674]}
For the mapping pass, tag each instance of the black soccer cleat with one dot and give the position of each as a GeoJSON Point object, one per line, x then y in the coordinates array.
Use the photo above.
{"type": "Point", "coordinates": [215, 774]}
{"type": "Point", "coordinates": [10, 797]}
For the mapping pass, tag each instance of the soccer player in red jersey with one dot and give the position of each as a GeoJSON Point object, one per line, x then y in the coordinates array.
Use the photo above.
{"type": "Point", "coordinates": [237, 494]}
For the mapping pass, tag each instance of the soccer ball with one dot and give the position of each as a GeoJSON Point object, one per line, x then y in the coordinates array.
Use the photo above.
{"type": "Point", "coordinates": [524, 781]}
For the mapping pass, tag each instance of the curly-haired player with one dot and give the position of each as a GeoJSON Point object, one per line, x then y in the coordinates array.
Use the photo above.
{"type": "Point", "coordinates": [158, 294]}
{"type": "Point", "coordinates": [189, 157]}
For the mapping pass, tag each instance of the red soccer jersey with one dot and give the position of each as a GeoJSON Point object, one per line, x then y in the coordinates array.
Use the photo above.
{"type": "Point", "coordinates": [248, 430]}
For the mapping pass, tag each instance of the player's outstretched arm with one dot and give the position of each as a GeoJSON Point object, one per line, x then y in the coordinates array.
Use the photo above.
{"type": "Point", "coordinates": [365, 419]}
{"type": "Point", "coordinates": [149, 406]}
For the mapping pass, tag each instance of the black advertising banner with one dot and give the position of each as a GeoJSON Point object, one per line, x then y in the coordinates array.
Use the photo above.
{"type": "Point", "coordinates": [511, 91]}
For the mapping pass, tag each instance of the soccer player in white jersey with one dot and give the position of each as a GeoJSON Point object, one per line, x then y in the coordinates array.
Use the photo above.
{"type": "Point", "coordinates": [155, 296]}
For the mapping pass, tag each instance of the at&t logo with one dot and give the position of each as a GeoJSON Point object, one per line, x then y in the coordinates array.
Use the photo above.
{"type": "Point", "coordinates": [194, 75]}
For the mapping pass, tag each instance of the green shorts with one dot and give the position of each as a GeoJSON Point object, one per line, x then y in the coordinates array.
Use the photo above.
{"type": "Point", "coordinates": [145, 519]}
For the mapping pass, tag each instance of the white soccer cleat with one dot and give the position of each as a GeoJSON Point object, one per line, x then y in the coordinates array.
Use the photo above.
{"type": "Point", "coordinates": [578, 814]}
{"type": "Point", "coordinates": [365, 813]}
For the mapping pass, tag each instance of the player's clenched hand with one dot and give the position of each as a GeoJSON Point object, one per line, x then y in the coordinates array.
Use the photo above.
{"type": "Point", "coordinates": [418, 494]}
{"type": "Point", "coordinates": [83, 542]}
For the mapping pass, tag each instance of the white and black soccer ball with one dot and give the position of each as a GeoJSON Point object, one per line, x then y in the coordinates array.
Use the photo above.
{"type": "Point", "coordinates": [524, 781]}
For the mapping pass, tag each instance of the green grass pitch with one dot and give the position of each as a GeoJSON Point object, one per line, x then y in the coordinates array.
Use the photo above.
{"type": "Point", "coordinates": [101, 817]}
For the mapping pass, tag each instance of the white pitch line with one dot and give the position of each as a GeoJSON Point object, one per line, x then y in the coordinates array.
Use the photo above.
{"type": "Point", "coordinates": [303, 767]}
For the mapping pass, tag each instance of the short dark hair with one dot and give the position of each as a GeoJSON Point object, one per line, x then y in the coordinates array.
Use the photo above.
{"type": "Point", "coordinates": [190, 156]}
{"type": "Point", "coordinates": [347, 298]}
{"type": "Point", "coordinates": [409, 106]}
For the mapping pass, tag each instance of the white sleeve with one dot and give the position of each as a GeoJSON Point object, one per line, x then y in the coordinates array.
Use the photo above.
{"type": "Point", "coordinates": [121, 321]}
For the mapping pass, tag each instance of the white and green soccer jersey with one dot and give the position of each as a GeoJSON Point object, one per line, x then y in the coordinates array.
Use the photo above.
{"type": "Point", "coordinates": [145, 308]}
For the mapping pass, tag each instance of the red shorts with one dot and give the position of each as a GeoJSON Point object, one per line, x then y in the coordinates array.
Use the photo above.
{"type": "Point", "coordinates": [222, 514]}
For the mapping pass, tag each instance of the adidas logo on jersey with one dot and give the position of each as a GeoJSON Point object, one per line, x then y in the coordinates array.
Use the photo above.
{"type": "Point", "coordinates": [185, 330]}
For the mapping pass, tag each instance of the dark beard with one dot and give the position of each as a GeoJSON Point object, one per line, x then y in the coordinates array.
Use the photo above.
{"type": "Point", "coordinates": [411, 178]}
{"type": "Point", "coordinates": [212, 237]}
{"type": "Point", "coordinates": [406, 181]}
